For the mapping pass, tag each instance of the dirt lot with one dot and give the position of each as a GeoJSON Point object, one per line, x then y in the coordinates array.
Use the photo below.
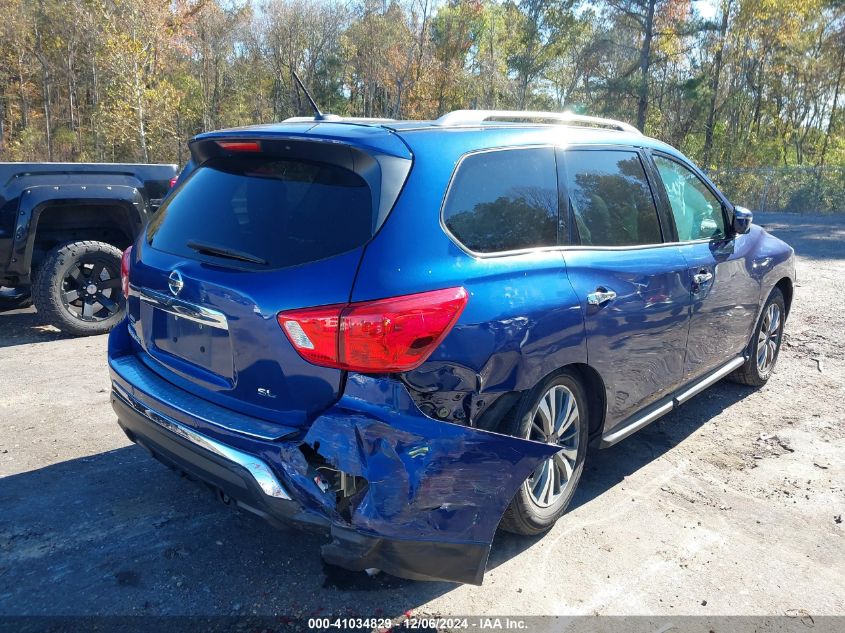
{"type": "Point", "coordinates": [731, 505]}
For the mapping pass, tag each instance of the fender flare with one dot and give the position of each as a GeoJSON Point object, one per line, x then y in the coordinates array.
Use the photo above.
{"type": "Point", "coordinates": [35, 200]}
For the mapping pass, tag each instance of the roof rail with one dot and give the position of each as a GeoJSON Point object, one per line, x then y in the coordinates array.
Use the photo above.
{"type": "Point", "coordinates": [470, 117]}
{"type": "Point", "coordinates": [333, 118]}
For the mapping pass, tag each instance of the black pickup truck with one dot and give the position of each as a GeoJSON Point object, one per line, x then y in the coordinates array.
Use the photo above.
{"type": "Point", "coordinates": [62, 229]}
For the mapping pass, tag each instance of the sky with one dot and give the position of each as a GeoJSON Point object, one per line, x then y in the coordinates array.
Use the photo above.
{"type": "Point", "coordinates": [706, 8]}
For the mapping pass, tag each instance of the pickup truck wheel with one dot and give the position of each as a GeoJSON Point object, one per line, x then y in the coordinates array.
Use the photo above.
{"type": "Point", "coordinates": [555, 412]}
{"type": "Point", "coordinates": [77, 288]}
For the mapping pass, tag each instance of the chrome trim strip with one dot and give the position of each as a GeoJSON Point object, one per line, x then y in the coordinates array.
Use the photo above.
{"type": "Point", "coordinates": [609, 439]}
{"type": "Point", "coordinates": [257, 468]}
{"type": "Point", "coordinates": [182, 308]}
{"type": "Point", "coordinates": [709, 380]}
{"type": "Point", "coordinates": [565, 248]}
{"type": "Point", "coordinates": [562, 248]}
{"type": "Point", "coordinates": [134, 371]}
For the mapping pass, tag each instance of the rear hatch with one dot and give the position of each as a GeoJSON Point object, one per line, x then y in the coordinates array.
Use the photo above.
{"type": "Point", "coordinates": [261, 225]}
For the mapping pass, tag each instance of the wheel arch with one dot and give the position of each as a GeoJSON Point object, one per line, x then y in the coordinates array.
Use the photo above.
{"type": "Point", "coordinates": [786, 287]}
{"type": "Point", "coordinates": [596, 396]}
{"type": "Point", "coordinates": [594, 388]}
{"type": "Point", "coordinates": [50, 216]}
{"type": "Point", "coordinates": [103, 221]}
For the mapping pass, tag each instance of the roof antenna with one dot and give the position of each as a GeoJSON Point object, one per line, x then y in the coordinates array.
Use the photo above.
{"type": "Point", "coordinates": [319, 116]}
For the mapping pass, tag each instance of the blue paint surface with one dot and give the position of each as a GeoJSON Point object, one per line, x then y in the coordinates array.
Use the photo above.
{"type": "Point", "coordinates": [427, 480]}
{"type": "Point", "coordinates": [432, 475]}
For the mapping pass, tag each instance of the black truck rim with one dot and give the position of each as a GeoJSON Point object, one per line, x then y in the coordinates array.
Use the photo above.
{"type": "Point", "coordinates": [91, 290]}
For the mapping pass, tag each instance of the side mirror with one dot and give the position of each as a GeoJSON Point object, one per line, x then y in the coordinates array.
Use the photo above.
{"type": "Point", "coordinates": [742, 220]}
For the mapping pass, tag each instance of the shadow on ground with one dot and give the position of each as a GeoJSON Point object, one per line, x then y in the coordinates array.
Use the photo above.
{"type": "Point", "coordinates": [606, 468]}
{"type": "Point", "coordinates": [20, 327]}
{"type": "Point", "coordinates": [118, 533]}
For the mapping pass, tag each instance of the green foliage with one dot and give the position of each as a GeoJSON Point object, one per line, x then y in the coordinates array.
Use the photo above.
{"type": "Point", "coordinates": [791, 189]}
{"type": "Point", "coordinates": [759, 84]}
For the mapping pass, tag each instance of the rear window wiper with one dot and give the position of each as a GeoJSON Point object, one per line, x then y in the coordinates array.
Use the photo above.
{"type": "Point", "coordinates": [222, 251]}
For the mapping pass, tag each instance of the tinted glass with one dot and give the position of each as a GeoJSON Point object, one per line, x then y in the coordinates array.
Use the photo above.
{"type": "Point", "coordinates": [504, 200]}
{"type": "Point", "coordinates": [698, 213]}
{"type": "Point", "coordinates": [610, 199]}
{"type": "Point", "coordinates": [285, 212]}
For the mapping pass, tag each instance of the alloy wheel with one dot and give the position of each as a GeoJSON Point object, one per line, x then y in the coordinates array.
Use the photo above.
{"type": "Point", "coordinates": [554, 421]}
{"type": "Point", "coordinates": [768, 339]}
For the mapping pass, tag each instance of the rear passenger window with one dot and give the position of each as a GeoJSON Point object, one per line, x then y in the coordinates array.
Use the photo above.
{"type": "Point", "coordinates": [504, 200]}
{"type": "Point", "coordinates": [610, 199]}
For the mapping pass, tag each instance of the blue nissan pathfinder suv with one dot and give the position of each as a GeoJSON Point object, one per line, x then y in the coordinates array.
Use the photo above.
{"type": "Point", "coordinates": [406, 334]}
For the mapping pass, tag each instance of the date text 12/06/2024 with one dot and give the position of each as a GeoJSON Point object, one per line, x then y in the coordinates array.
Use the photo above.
{"type": "Point", "coordinates": [419, 623]}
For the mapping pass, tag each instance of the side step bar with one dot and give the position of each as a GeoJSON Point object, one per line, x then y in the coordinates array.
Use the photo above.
{"type": "Point", "coordinates": [705, 382]}
{"type": "Point", "coordinates": [611, 438]}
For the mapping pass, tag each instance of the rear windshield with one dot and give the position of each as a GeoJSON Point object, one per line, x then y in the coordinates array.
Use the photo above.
{"type": "Point", "coordinates": [270, 212]}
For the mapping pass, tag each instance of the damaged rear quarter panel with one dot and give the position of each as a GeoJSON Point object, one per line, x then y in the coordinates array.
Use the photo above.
{"type": "Point", "coordinates": [523, 319]}
{"type": "Point", "coordinates": [428, 479]}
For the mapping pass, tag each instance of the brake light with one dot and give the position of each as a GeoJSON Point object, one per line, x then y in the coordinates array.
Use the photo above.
{"type": "Point", "coordinates": [173, 181]}
{"type": "Point", "coordinates": [387, 335]}
{"type": "Point", "coordinates": [125, 260]}
{"type": "Point", "coordinates": [240, 146]}
{"type": "Point", "coordinates": [314, 333]}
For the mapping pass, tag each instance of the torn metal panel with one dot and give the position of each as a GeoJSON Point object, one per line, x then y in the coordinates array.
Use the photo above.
{"type": "Point", "coordinates": [429, 480]}
{"type": "Point", "coordinates": [400, 491]}
{"type": "Point", "coordinates": [480, 362]}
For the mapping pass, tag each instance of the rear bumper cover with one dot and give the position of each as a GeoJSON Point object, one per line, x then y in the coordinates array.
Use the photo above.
{"type": "Point", "coordinates": [434, 492]}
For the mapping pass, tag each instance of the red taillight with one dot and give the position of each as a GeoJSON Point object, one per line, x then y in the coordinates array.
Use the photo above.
{"type": "Point", "coordinates": [124, 271]}
{"type": "Point", "coordinates": [313, 332]}
{"type": "Point", "coordinates": [386, 335]}
{"type": "Point", "coordinates": [240, 146]}
{"type": "Point", "coordinates": [397, 334]}
{"type": "Point", "coordinates": [173, 181]}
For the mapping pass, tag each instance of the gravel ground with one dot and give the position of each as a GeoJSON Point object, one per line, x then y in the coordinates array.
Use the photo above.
{"type": "Point", "coordinates": [732, 504]}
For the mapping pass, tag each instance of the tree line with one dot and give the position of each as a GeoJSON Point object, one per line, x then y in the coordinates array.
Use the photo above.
{"type": "Point", "coordinates": [743, 83]}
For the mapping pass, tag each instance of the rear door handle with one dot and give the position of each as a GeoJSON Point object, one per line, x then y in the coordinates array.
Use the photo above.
{"type": "Point", "coordinates": [702, 277]}
{"type": "Point", "coordinates": [601, 296]}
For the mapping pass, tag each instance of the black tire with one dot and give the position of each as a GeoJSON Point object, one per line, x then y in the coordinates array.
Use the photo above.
{"type": "Point", "coordinates": [751, 373]}
{"type": "Point", "coordinates": [525, 514]}
{"type": "Point", "coordinates": [76, 267]}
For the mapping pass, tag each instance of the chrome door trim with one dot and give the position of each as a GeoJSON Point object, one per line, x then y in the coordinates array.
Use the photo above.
{"type": "Point", "coordinates": [702, 384]}
{"type": "Point", "coordinates": [182, 308]}
{"type": "Point", "coordinates": [600, 296]}
{"type": "Point", "coordinates": [257, 468]}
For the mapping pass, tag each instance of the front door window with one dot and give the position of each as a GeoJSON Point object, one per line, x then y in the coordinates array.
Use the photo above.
{"type": "Point", "coordinates": [698, 213]}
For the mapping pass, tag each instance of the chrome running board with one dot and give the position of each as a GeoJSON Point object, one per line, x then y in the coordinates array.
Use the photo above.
{"type": "Point", "coordinates": [635, 425]}
{"type": "Point", "coordinates": [609, 439]}
{"type": "Point", "coordinates": [709, 380]}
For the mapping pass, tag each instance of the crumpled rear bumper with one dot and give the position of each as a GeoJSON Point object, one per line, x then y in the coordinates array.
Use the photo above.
{"type": "Point", "coordinates": [429, 494]}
